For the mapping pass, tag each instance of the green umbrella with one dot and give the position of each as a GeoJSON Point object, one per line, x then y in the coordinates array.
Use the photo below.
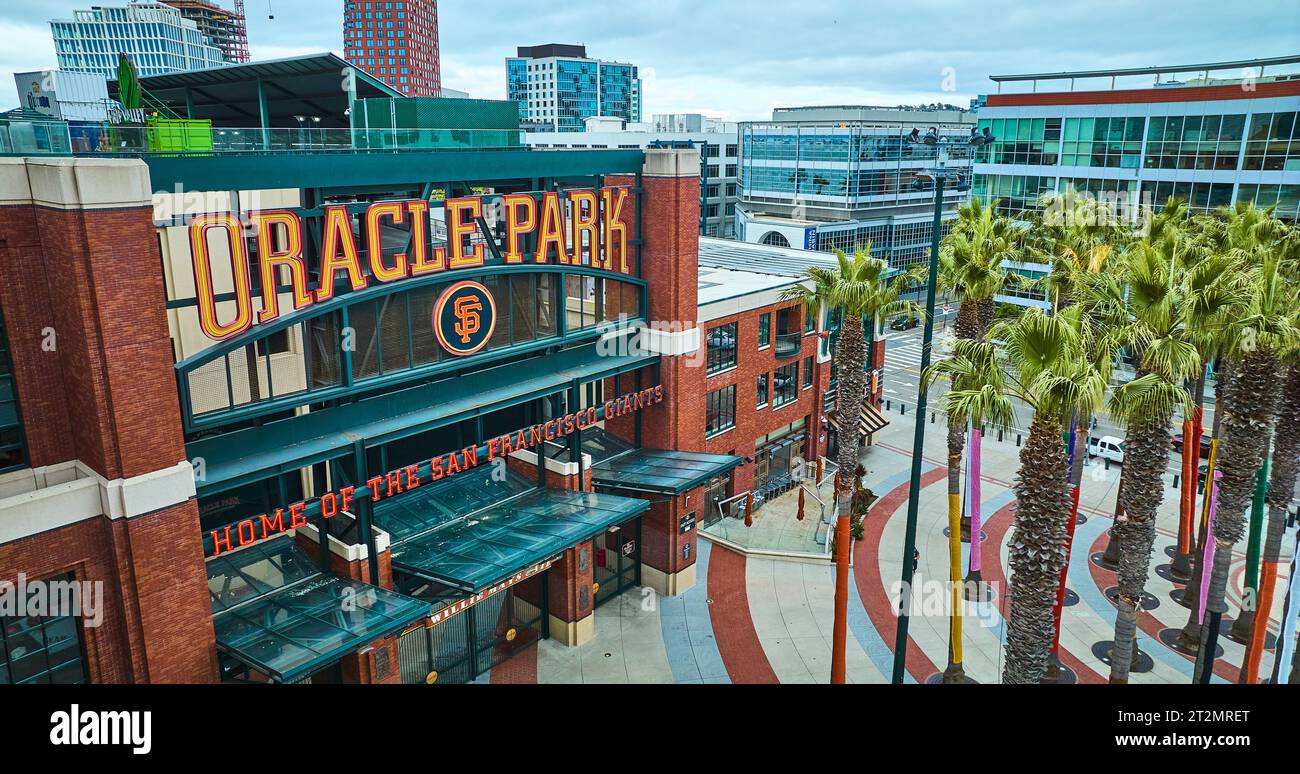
{"type": "Point", "coordinates": [128, 86]}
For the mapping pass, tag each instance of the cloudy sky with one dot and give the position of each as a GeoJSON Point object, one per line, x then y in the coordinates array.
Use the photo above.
{"type": "Point", "coordinates": [737, 59]}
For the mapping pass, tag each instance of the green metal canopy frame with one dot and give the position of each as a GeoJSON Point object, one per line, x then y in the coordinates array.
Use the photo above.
{"type": "Point", "coordinates": [275, 613]}
{"type": "Point", "coordinates": [493, 543]}
{"type": "Point", "coordinates": [661, 471]}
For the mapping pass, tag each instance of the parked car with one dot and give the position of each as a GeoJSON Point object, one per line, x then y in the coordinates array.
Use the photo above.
{"type": "Point", "coordinates": [1205, 444]}
{"type": "Point", "coordinates": [904, 324]}
{"type": "Point", "coordinates": [1108, 447]}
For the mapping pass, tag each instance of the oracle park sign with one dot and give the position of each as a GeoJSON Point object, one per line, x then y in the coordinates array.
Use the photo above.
{"type": "Point", "coordinates": [557, 227]}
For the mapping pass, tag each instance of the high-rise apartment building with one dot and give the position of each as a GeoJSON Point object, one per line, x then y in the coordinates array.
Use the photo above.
{"type": "Point", "coordinates": [395, 41]}
{"type": "Point", "coordinates": [157, 38]}
{"type": "Point", "coordinates": [558, 87]}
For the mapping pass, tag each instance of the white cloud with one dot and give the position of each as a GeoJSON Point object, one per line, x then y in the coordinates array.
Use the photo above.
{"type": "Point", "coordinates": [26, 47]}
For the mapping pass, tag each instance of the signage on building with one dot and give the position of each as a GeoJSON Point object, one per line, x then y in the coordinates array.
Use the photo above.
{"type": "Point", "coordinates": [558, 229]}
{"type": "Point", "coordinates": [810, 238]}
{"type": "Point", "coordinates": [394, 482]}
{"type": "Point", "coordinates": [461, 605]}
{"type": "Point", "coordinates": [464, 318]}
{"type": "Point", "coordinates": [686, 523]}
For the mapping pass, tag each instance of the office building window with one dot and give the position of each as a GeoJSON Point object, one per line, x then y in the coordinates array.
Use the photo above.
{"type": "Point", "coordinates": [764, 393]}
{"type": "Point", "coordinates": [807, 372]}
{"type": "Point", "coordinates": [720, 410]}
{"type": "Point", "coordinates": [720, 347]}
{"type": "Point", "coordinates": [765, 331]}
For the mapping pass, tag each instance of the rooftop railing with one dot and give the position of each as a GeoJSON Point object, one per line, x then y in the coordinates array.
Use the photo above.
{"type": "Point", "coordinates": [56, 138]}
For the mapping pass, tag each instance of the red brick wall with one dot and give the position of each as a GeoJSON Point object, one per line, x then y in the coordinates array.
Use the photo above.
{"type": "Point", "coordinates": [105, 394]}
{"type": "Point", "coordinates": [25, 299]}
{"type": "Point", "coordinates": [565, 582]}
{"type": "Point", "coordinates": [752, 422]}
{"type": "Point", "coordinates": [116, 358]}
{"type": "Point", "coordinates": [363, 666]}
{"type": "Point", "coordinates": [157, 625]}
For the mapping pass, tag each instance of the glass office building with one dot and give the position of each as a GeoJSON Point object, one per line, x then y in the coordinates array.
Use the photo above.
{"type": "Point", "coordinates": [558, 87]}
{"type": "Point", "coordinates": [841, 181]}
{"type": "Point", "coordinates": [155, 37]}
{"type": "Point", "coordinates": [1214, 140]}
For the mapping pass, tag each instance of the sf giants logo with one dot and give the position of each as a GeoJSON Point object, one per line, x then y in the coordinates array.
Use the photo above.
{"type": "Point", "coordinates": [466, 311]}
{"type": "Point", "coordinates": [464, 318]}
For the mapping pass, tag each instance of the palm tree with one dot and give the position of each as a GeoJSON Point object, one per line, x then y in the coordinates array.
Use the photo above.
{"type": "Point", "coordinates": [1281, 488]}
{"type": "Point", "coordinates": [971, 267]}
{"type": "Point", "coordinates": [1259, 333]}
{"type": "Point", "coordinates": [859, 290]}
{"type": "Point", "coordinates": [1078, 237]}
{"type": "Point", "coordinates": [1262, 339]}
{"type": "Point", "coordinates": [976, 397]}
{"type": "Point", "coordinates": [1150, 273]}
{"type": "Point", "coordinates": [1047, 366]}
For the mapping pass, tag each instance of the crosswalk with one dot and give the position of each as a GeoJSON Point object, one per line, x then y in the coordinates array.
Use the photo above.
{"type": "Point", "coordinates": [904, 353]}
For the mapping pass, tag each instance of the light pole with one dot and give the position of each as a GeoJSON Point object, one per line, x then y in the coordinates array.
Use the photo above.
{"type": "Point", "coordinates": [918, 441]}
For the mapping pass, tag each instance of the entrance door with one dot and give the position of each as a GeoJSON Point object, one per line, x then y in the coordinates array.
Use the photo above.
{"type": "Point", "coordinates": [617, 560]}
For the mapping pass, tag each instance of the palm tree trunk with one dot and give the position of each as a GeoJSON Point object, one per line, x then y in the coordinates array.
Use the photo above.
{"type": "Point", "coordinates": [1248, 411]}
{"type": "Point", "coordinates": [1146, 454]}
{"type": "Point", "coordinates": [1182, 563]}
{"type": "Point", "coordinates": [850, 354]}
{"type": "Point", "coordinates": [956, 439]}
{"type": "Point", "coordinates": [1079, 450]}
{"type": "Point", "coordinates": [975, 579]}
{"type": "Point", "coordinates": [1189, 639]}
{"type": "Point", "coordinates": [1037, 551]}
{"type": "Point", "coordinates": [1281, 488]}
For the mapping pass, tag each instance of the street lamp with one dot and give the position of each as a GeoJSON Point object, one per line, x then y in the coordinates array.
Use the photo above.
{"type": "Point", "coordinates": [940, 176]}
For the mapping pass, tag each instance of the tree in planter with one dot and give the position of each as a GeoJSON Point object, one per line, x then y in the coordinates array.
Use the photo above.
{"type": "Point", "coordinates": [1281, 488]}
{"type": "Point", "coordinates": [977, 396]}
{"type": "Point", "coordinates": [1080, 237]}
{"type": "Point", "coordinates": [860, 292]}
{"type": "Point", "coordinates": [1261, 334]}
{"type": "Point", "coordinates": [972, 267]}
{"type": "Point", "coordinates": [1259, 341]}
{"type": "Point", "coordinates": [1165, 358]}
{"type": "Point", "coordinates": [1043, 361]}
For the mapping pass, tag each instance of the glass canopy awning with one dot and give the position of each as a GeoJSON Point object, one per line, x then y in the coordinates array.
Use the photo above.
{"type": "Point", "coordinates": [275, 612]}
{"type": "Point", "coordinates": [493, 543]}
{"type": "Point", "coordinates": [437, 504]}
{"type": "Point", "coordinates": [661, 471]}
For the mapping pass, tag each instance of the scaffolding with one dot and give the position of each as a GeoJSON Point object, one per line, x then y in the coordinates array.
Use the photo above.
{"type": "Point", "coordinates": [223, 28]}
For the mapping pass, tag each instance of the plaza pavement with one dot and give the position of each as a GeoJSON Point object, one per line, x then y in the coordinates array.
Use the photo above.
{"type": "Point", "coordinates": [760, 619]}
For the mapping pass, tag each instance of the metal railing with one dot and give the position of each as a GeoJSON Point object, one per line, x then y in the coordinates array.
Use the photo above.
{"type": "Point", "coordinates": [57, 138]}
{"type": "Point", "coordinates": [788, 344]}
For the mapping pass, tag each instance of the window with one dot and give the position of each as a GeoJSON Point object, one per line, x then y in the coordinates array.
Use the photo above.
{"type": "Point", "coordinates": [42, 649]}
{"type": "Point", "coordinates": [763, 391]}
{"type": "Point", "coordinates": [720, 348]}
{"type": "Point", "coordinates": [720, 410]}
{"type": "Point", "coordinates": [765, 331]}
{"type": "Point", "coordinates": [786, 381]}
{"type": "Point", "coordinates": [807, 372]}
{"type": "Point", "coordinates": [809, 322]}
